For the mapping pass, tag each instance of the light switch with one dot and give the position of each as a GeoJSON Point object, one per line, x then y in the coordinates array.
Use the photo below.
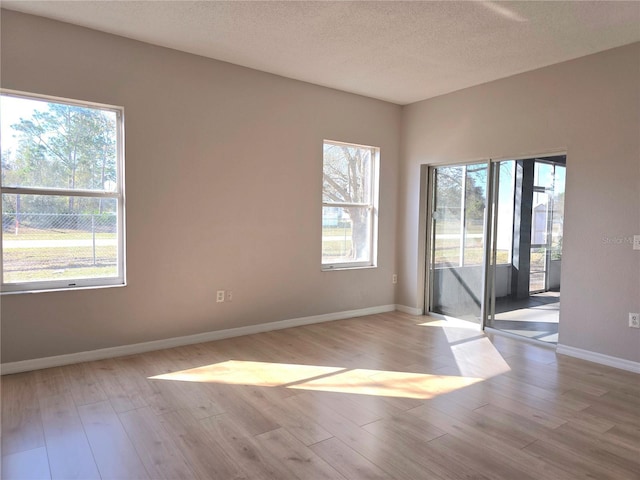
{"type": "Point", "coordinates": [636, 242]}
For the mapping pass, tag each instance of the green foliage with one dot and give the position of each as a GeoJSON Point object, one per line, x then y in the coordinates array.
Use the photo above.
{"type": "Point", "coordinates": [449, 188]}
{"type": "Point", "coordinates": [66, 147]}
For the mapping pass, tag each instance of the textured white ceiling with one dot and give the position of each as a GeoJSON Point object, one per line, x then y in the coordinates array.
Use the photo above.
{"type": "Point", "coordinates": [401, 52]}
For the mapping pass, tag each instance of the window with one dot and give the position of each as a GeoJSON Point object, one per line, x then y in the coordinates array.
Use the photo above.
{"type": "Point", "coordinates": [460, 197]}
{"type": "Point", "coordinates": [62, 193]}
{"type": "Point", "coordinates": [349, 205]}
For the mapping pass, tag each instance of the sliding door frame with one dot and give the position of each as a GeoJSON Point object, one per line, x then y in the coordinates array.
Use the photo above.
{"type": "Point", "coordinates": [487, 306]}
{"type": "Point", "coordinates": [430, 232]}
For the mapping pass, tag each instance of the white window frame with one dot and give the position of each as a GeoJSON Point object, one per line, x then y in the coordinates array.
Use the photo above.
{"type": "Point", "coordinates": [118, 194]}
{"type": "Point", "coordinates": [372, 206]}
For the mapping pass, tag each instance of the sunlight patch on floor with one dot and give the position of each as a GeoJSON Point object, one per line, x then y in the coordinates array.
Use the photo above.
{"type": "Point", "coordinates": [388, 384]}
{"type": "Point", "coordinates": [478, 357]}
{"type": "Point", "coordinates": [450, 322]}
{"type": "Point", "coordinates": [473, 352]}
{"type": "Point", "coordinates": [261, 374]}
{"type": "Point", "coordinates": [323, 378]}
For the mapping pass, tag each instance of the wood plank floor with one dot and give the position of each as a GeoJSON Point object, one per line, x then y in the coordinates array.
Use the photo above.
{"type": "Point", "coordinates": [388, 396]}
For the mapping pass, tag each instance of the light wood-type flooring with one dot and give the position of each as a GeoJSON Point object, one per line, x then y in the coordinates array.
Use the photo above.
{"type": "Point", "coordinates": [388, 396]}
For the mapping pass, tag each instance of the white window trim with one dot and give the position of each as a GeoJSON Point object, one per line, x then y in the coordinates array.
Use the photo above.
{"type": "Point", "coordinates": [372, 262]}
{"type": "Point", "coordinates": [82, 283]}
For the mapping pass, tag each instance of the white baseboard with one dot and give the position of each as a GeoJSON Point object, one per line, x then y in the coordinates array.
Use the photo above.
{"type": "Point", "coordinates": [59, 360]}
{"type": "Point", "coordinates": [409, 310]}
{"type": "Point", "coordinates": [608, 360]}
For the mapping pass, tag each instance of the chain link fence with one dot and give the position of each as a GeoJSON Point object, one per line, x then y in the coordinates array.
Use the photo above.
{"type": "Point", "coordinates": [45, 246]}
{"type": "Point", "coordinates": [38, 224]}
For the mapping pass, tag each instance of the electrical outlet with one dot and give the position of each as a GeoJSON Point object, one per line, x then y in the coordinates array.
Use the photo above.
{"type": "Point", "coordinates": [634, 320]}
{"type": "Point", "coordinates": [636, 242]}
{"type": "Point", "coordinates": [394, 278]}
{"type": "Point", "coordinates": [220, 296]}
{"type": "Point", "coordinates": [229, 296]}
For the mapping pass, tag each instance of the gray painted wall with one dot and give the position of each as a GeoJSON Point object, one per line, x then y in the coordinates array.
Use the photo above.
{"type": "Point", "coordinates": [212, 148]}
{"type": "Point", "coordinates": [588, 107]}
{"type": "Point", "coordinates": [224, 179]}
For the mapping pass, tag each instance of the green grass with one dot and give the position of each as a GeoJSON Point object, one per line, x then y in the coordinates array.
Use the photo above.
{"type": "Point", "coordinates": [55, 235]}
{"type": "Point", "coordinates": [336, 248]}
{"type": "Point", "coordinates": [472, 256]}
{"type": "Point", "coordinates": [61, 274]}
{"type": "Point", "coordinates": [58, 263]}
{"type": "Point", "coordinates": [32, 264]}
{"type": "Point", "coordinates": [57, 255]}
{"type": "Point", "coordinates": [336, 232]}
{"type": "Point", "coordinates": [25, 232]}
{"type": "Point", "coordinates": [340, 248]}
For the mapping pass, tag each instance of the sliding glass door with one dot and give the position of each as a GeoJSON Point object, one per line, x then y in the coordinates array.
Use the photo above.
{"type": "Point", "coordinates": [526, 247]}
{"type": "Point", "coordinates": [459, 200]}
{"type": "Point", "coordinates": [495, 244]}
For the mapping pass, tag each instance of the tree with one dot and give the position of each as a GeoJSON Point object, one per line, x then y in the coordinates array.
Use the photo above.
{"type": "Point", "coordinates": [65, 146]}
{"type": "Point", "coordinates": [450, 183]}
{"type": "Point", "coordinates": [347, 180]}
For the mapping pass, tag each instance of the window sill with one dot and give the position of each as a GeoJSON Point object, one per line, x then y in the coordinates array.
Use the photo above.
{"type": "Point", "coordinates": [61, 289]}
{"type": "Point", "coordinates": [357, 267]}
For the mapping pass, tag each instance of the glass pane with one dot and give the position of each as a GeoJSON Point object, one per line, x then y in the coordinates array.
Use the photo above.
{"type": "Point", "coordinates": [558, 213]}
{"type": "Point", "coordinates": [538, 267]}
{"type": "Point", "coordinates": [525, 293]}
{"type": "Point", "coordinates": [458, 231]}
{"type": "Point", "coordinates": [538, 259]}
{"type": "Point", "coordinates": [543, 175]}
{"type": "Point", "coordinates": [55, 145]}
{"type": "Point", "coordinates": [346, 234]}
{"type": "Point", "coordinates": [474, 208]}
{"type": "Point", "coordinates": [539, 218]}
{"type": "Point", "coordinates": [504, 210]}
{"type": "Point", "coordinates": [536, 283]}
{"type": "Point", "coordinates": [448, 216]}
{"type": "Point", "coordinates": [347, 173]}
{"type": "Point", "coordinates": [42, 241]}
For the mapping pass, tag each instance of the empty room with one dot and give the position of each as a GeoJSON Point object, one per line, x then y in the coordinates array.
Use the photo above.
{"type": "Point", "coordinates": [320, 240]}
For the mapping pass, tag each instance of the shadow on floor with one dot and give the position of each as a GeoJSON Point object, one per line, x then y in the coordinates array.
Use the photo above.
{"type": "Point", "coordinates": [533, 317]}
